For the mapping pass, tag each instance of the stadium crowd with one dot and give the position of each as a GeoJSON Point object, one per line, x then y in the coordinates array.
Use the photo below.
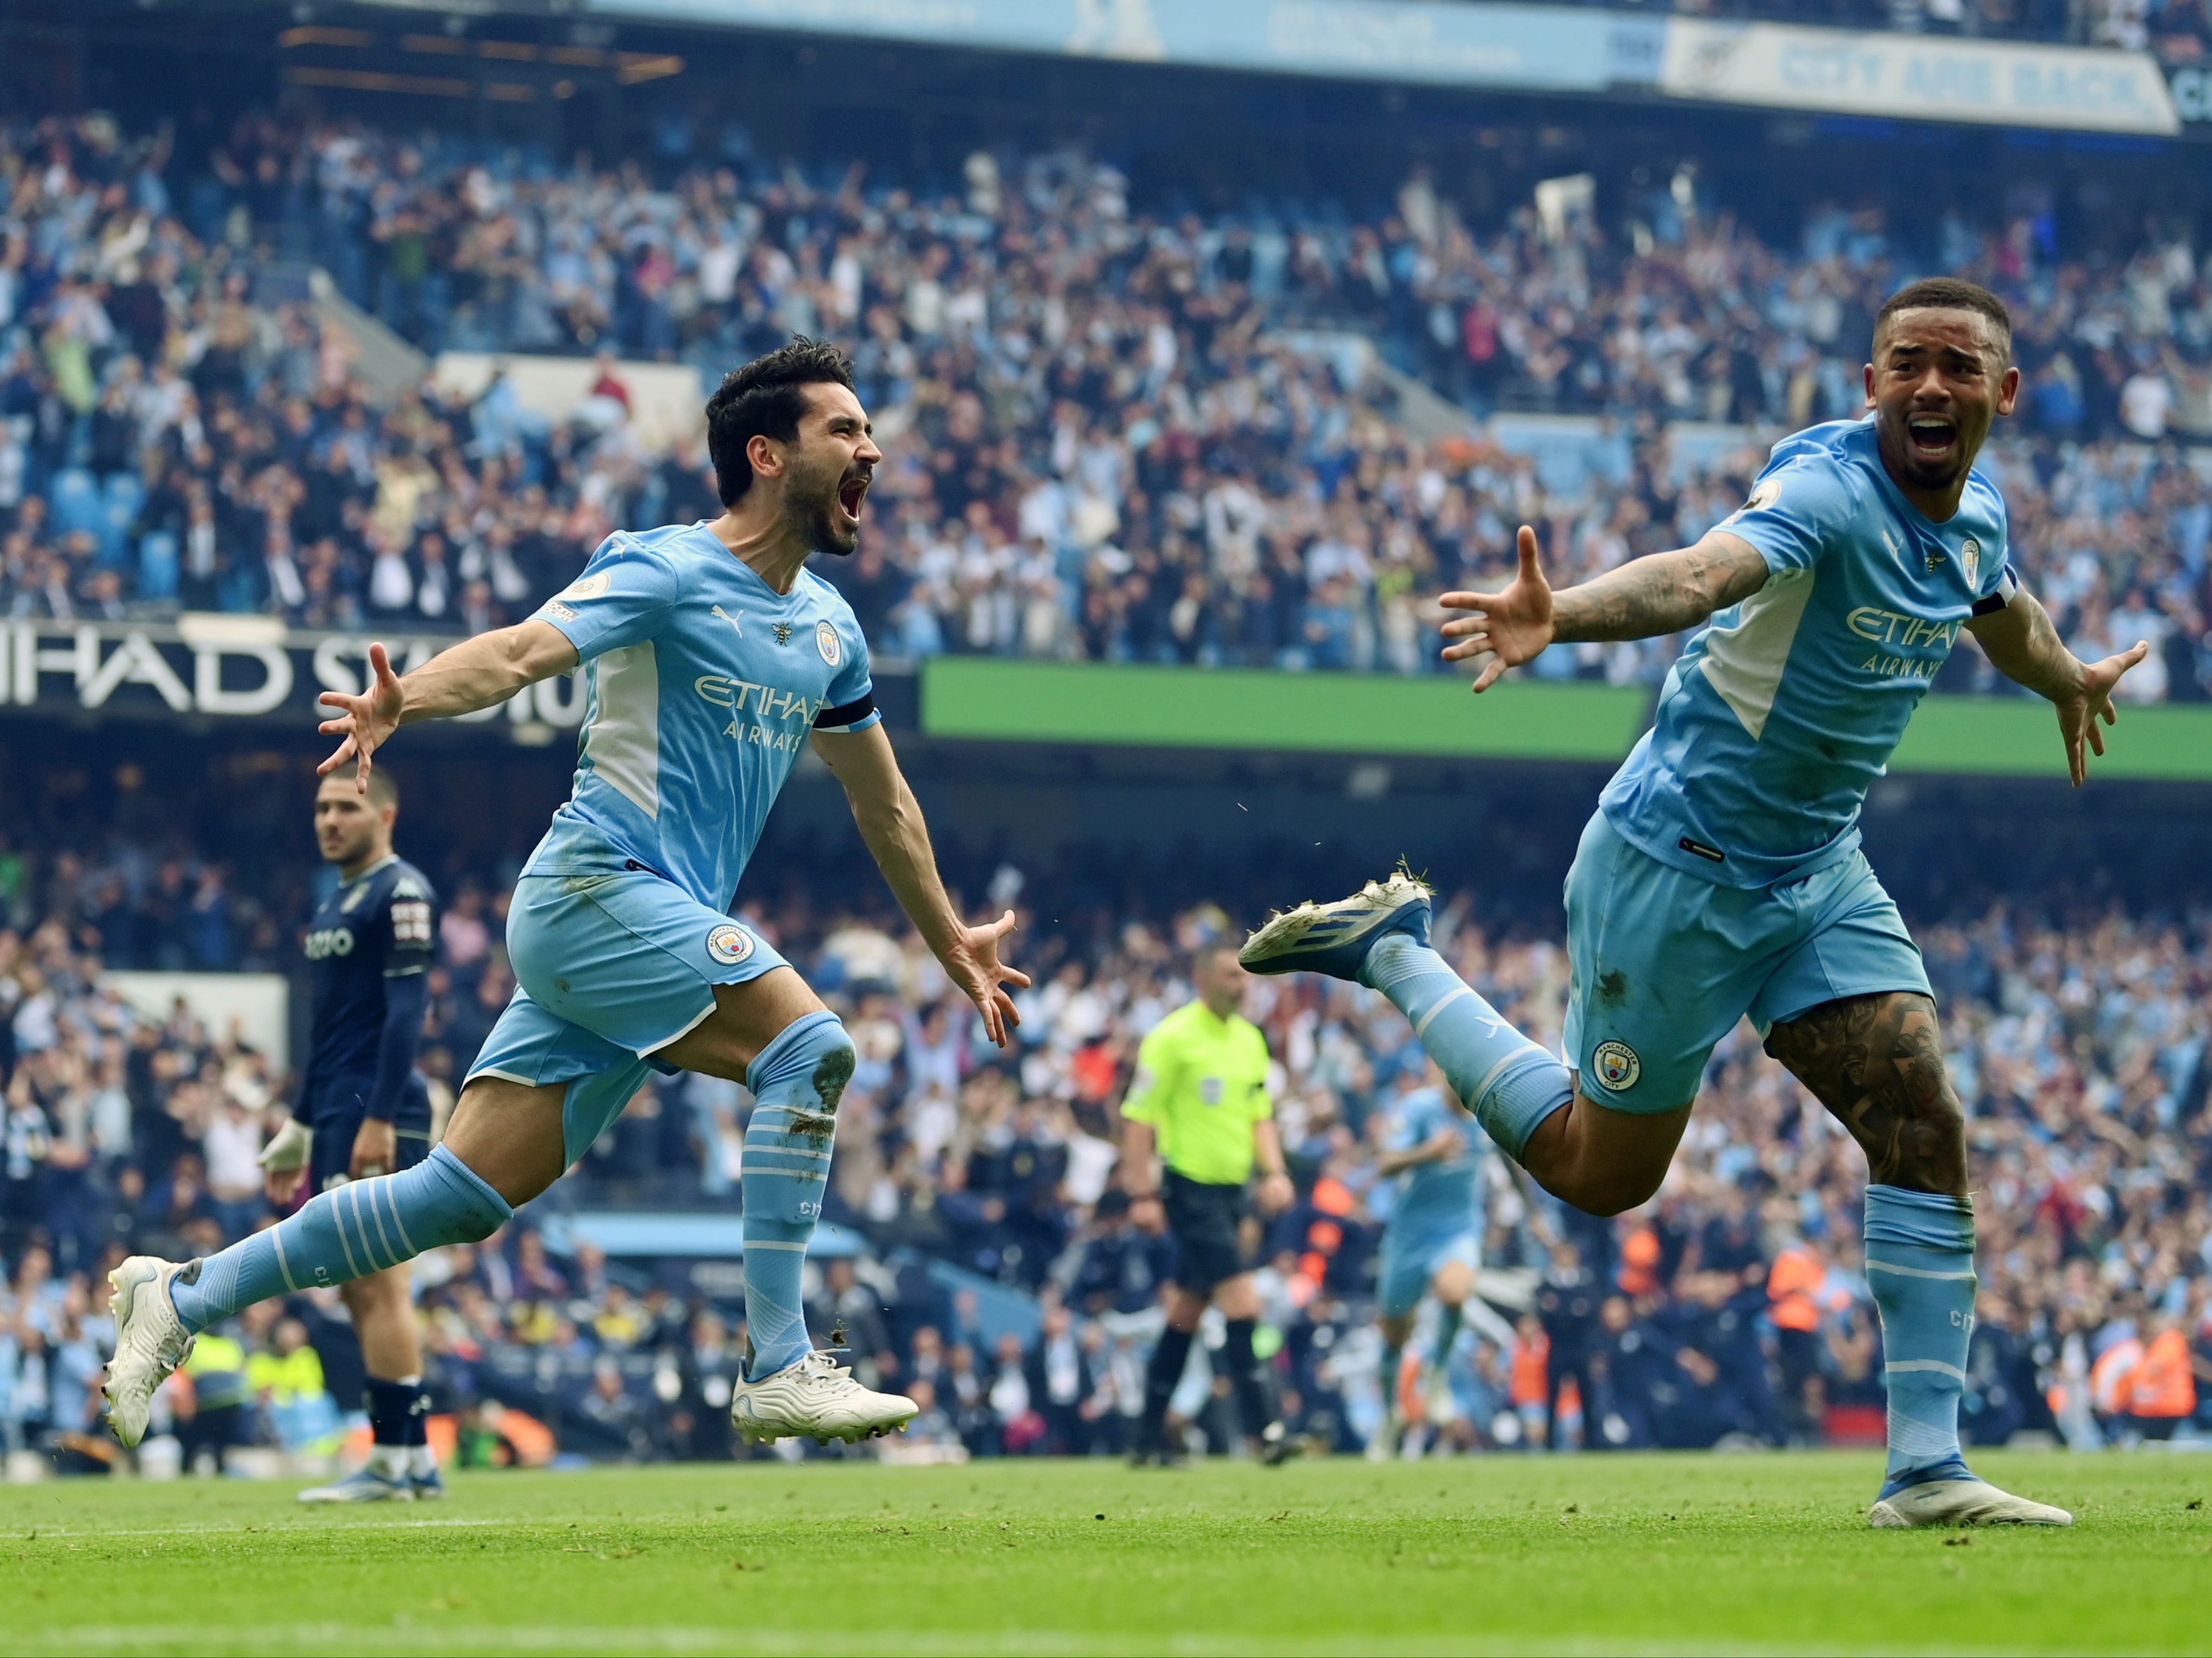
{"type": "Point", "coordinates": [969, 1182]}
{"type": "Point", "coordinates": [1121, 431]}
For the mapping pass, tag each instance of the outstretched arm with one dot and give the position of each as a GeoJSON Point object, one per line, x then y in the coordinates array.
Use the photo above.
{"type": "Point", "coordinates": [890, 820]}
{"type": "Point", "coordinates": [474, 674]}
{"type": "Point", "coordinates": [1439, 1147]}
{"type": "Point", "coordinates": [2021, 640]}
{"type": "Point", "coordinates": [1659, 593]}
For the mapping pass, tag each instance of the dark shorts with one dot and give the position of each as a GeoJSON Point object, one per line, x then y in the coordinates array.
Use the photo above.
{"type": "Point", "coordinates": [335, 1110]}
{"type": "Point", "coordinates": [1203, 1220]}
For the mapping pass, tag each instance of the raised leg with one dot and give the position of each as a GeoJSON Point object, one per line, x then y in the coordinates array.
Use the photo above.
{"type": "Point", "coordinates": [1601, 1160]}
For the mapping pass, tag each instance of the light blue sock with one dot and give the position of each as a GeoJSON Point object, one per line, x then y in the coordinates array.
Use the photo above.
{"type": "Point", "coordinates": [1508, 1082]}
{"type": "Point", "coordinates": [361, 1227]}
{"type": "Point", "coordinates": [1920, 1264]}
{"type": "Point", "coordinates": [799, 1079]}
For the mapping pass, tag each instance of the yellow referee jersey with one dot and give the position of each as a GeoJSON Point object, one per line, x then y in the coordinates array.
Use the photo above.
{"type": "Point", "coordinates": [1201, 1082]}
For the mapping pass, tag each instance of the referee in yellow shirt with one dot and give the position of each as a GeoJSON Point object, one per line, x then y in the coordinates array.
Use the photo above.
{"type": "Point", "coordinates": [1199, 1096]}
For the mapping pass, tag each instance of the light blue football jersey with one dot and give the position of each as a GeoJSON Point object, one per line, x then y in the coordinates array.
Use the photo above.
{"type": "Point", "coordinates": [1779, 714]}
{"type": "Point", "coordinates": [701, 684]}
{"type": "Point", "coordinates": [1436, 1198]}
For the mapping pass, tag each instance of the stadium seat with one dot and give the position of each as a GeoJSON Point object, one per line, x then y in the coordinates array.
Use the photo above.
{"type": "Point", "coordinates": [157, 565]}
{"type": "Point", "coordinates": [74, 498]}
{"type": "Point", "coordinates": [121, 497]}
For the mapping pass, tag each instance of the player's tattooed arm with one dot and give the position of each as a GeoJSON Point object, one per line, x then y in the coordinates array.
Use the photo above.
{"type": "Point", "coordinates": [1876, 1062]}
{"type": "Point", "coordinates": [1646, 598]}
{"type": "Point", "coordinates": [474, 674]}
{"type": "Point", "coordinates": [2022, 644]}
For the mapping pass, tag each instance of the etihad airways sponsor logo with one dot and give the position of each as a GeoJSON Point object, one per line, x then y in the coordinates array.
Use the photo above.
{"type": "Point", "coordinates": [777, 720]}
{"type": "Point", "coordinates": [1902, 667]}
{"type": "Point", "coordinates": [1881, 627]}
{"type": "Point", "coordinates": [764, 701]}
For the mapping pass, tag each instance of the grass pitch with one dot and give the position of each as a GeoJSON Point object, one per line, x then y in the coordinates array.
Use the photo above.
{"type": "Point", "coordinates": [1580, 1554]}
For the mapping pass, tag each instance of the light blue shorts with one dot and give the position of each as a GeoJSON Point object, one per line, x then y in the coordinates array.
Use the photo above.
{"type": "Point", "coordinates": [609, 969]}
{"type": "Point", "coordinates": [1661, 964]}
{"type": "Point", "coordinates": [1410, 1265]}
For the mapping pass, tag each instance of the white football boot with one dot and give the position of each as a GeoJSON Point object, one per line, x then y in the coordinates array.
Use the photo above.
{"type": "Point", "coordinates": [363, 1484]}
{"type": "Point", "coordinates": [1961, 1503]}
{"type": "Point", "coordinates": [815, 1398]}
{"type": "Point", "coordinates": [1335, 939]}
{"type": "Point", "coordinates": [1390, 1436]}
{"type": "Point", "coordinates": [151, 1343]}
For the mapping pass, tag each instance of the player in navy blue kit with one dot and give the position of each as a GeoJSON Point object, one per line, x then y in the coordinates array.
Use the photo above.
{"type": "Point", "coordinates": [1721, 875]}
{"type": "Point", "coordinates": [710, 656]}
{"type": "Point", "coordinates": [362, 1108]}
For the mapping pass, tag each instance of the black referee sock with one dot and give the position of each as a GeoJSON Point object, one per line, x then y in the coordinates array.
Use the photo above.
{"type": "Point", "coordinates": [1169, 1359]}
{"type": "Point", "coordinates": [396, 1412]}
{"type": "Point", "coordinates": [1256, 1396]}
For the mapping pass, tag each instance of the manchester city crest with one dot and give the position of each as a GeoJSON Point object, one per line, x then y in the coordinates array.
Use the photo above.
{"type": "Point", "coordinates": [729, 944]}
{"type": "Point", "coordinates": [1616, 1065]}
{"type": "Point", "coordinates": [1970, 561]}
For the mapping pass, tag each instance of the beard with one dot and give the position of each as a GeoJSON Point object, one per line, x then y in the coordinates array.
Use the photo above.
{"type": "Point", "coordinates": [814, 505]}
{"type": "Point", "coordinates": [826, 532]}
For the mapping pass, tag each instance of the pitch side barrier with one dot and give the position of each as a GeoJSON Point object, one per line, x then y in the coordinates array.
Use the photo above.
{"type": "Point", "coordinates": [996, 699]}
{"type": "Point", "coordinates": [206, 669]}
{"type": "Point", "coordinates": [222, 667]}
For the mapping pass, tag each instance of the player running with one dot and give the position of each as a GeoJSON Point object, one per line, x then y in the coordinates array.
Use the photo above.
{"type": "Point", "coordinates": [710, 655]}
{"type": "Point", "coordinates": [363, 1109]}
{"type": "Point", "coordinates": [1433, 1150]}
{"type": "Point", "coordinates": [1721, 874]}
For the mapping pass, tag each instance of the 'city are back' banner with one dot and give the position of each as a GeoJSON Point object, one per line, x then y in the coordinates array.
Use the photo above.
{"type": "Point", "coordinates": [1556, 48]}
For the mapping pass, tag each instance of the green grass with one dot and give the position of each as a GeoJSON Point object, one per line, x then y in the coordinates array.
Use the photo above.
{"type": "Point", "coordinates": [1578, 1554]}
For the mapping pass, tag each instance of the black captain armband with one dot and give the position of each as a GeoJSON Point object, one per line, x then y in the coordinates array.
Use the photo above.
{"type": "Point", "coordinates": [846, 714]}
{"type": "Point", "coordinates": [2008, 589]}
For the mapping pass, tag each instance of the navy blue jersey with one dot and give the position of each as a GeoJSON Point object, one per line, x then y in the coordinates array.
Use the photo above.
{"type": "Point", "coordinates": [373, 929]}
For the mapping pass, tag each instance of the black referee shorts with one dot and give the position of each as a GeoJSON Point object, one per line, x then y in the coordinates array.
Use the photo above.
{"type": "Point", "coordinates": [1203, 1220]}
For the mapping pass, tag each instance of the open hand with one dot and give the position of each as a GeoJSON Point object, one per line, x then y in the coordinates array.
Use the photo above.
{"type": "Point", "coordinates": [2091, 700]}
{"type": "Point", "coordinates": [1511, 625]}
{"type": "Point", "coordinates": [367, 721]}
{"type": "Point", "coordinates": [971, 961]}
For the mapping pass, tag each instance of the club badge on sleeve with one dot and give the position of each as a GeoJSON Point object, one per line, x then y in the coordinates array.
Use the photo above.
{"type": "Point", "coordinates": [1616, 1065]}
{"type": "Point", "coordinates": [729, 944]}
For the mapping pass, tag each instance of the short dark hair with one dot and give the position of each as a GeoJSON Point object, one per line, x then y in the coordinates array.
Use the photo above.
{"type": "Point", "coordinates": [1948, 293]}
{"type": "Point", "coordinates": [383, 787]}
{"type": "Point", "coordinates": [764, 399]}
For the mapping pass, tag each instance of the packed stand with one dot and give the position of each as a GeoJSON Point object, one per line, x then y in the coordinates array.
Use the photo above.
{"type": "Point", "coordinates": [1115, 435]}
{"type": "Point", "coordinates": [988, 1264]}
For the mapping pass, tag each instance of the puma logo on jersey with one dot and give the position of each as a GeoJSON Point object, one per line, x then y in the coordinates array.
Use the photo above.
{"type": "Point", "coordinates": [736, 626]}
